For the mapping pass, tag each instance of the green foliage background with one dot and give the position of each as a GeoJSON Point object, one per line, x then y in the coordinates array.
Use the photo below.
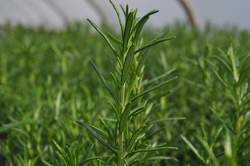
{"type": "Point", "coordinates": [47, 84]}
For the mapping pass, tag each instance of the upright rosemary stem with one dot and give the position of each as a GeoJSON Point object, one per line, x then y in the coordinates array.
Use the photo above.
{"type": "Point", "coordinates": [121, 135]}
{"type": "Point", "coordinates": [139, 117]}
{"type": "Point", "coordinates": [121, 153]}
{"type": "Point", "coordinates": [126, 88]}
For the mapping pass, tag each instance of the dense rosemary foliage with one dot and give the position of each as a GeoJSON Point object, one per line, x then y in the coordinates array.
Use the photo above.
{"type": "Point", "coordinates": [46, 87]}
{"type": "Point", "coordinates": [229, 72]}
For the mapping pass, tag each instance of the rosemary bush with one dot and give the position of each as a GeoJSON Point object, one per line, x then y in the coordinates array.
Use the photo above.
{"type": "Point", "coordinates": [124, 133]}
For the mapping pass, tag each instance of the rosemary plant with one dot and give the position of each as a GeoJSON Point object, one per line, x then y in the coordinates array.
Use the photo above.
{"type": "Point", "coordinates": [232, 136]}
{"type": "Point", "coordinates": [235, 82]}
{"type": "Point", "coordinates": [124, 132]}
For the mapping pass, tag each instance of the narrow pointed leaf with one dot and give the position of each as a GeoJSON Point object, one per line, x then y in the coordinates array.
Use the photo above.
{"type": "Point", "coordinates": [124, 119]}
{"type": "Point", "coordinates": [46, 163]}
{"type": "Point", "coordinates": [145, 83]}
{"type": "Point", "coordinates": [221, 80]}
{"type": "Point", "coordinates": [102, 80]}
{"type": "Point", "coordinates": [154, 88]}
{"type": "Point", "coordinates": [137, 111]}
{"type": "Point", "coordinates": [127, 30]}
{"type": "Point", "coordinates": [147, 150]}
{"type": "Point", "coordinates": [127, 64]}
{"type": "Point", "coordinates": [161, 158]}
{"type": "Point", "coordinates": [114, 39]}
{"type": "Point", "coordinates": [97, 136]}
{"type": "Point", "coordinates": [104, 37]}
{"type": "Point", "coordinates": [153, 43]}
{"type": "Point", "coordinates": [138, 134]}
{"type": "Point", "coordinates": [90, 159]}
{"type": "Point", "coordinates": [117, 14]}
{"type": "Point", "coordinates": [123, 10]}
{"type": "Point", "coordinates": [140, 24]}
{"type": "Point", "coordinates": [190, 145]}
{"type": "Point", "coordinates": [224, 63]}
{"type": "Point", "coordinates": [209, 151]}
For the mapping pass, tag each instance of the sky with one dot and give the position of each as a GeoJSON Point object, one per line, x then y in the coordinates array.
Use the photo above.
{"type": "Point", "coordinates": [36, 13]}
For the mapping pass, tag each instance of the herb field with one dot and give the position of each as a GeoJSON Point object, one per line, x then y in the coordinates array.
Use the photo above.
{"type": "Point", "coordinates": [92, 95]}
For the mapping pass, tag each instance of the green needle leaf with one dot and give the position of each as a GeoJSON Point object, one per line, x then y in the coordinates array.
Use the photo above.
{"type": "Point", "coordinates": [209, 151]}
{"type": "Point", "coordinates": [104, 37]}
{"type": "Point", "coordinates": [127, 30]}
{"type": "Point", "coordinates": [97, 136]}
{"type": "Point", "coordinates": [147, 82]}
{"type": "Point", "coordinates": [153, 43]}
{"type": "Point", "coordinates": [102, 80]}
{"type": "Point", "coordinates": [127, 63]}
{"type": "Point", "coordinates": [196, 152]}
{"type": "Point", "coordinates": [140, 24]}
{"type": "Point", "coordinates": [147, 150]}
{"type": "Point", "coordinates": [154, 88]}
{"type": "Point", "coordinates": [137, 135]}
{"type": "Point", "coordinates": [91, 159]}
{"type": "Point", "coordinates": [117, 14]}
{"type": "Point", "coordinates": [124, 119]}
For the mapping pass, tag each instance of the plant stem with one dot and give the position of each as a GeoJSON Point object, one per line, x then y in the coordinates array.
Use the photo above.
{"type": "Point", "coordinates": [121, 135]}
{"type": "Point", "coordinates": [121, 152]}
